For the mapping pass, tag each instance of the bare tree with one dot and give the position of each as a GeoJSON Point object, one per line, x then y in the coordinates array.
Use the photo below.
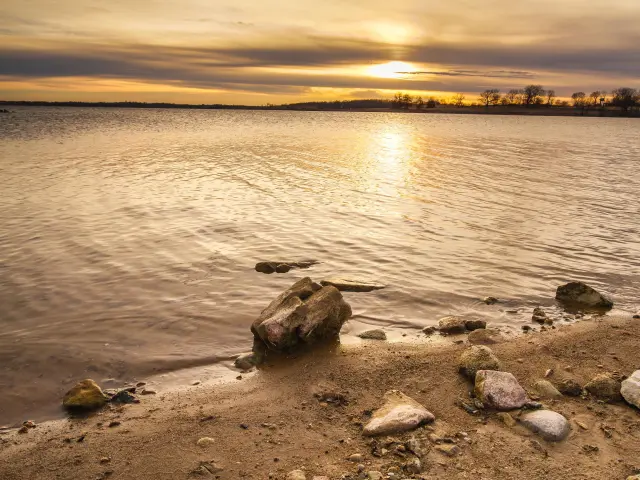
{"type": "Point", "coordinates": [514, 96]}
{"type": "Point", "coordinates": [490, 97]}
{"type": "Point", "coordinates": [458, 99]}
{"type": "Point", "coordinates": [551, 95]}
{"type": "Point", "coordinates": [595, 97]}
{"type": "Point", "coordinates": [532, 93]}
{"type": "Point", "coordinates": [625, 98]}
{"type": "Point", "coordinates": [579, 99]}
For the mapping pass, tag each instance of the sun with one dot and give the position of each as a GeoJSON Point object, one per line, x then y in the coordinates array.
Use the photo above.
{"type": "Point", "coordinates": [391, 70]}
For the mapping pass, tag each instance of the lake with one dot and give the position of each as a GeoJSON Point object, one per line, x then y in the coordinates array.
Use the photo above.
{"type": "Point", "coordinates": [128, 238]}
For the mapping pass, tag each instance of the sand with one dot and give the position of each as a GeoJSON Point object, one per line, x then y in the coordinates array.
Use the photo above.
{"type": "Point", "coordinates": [288, 428]}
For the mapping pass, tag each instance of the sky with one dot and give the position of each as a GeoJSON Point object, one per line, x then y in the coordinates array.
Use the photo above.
{"type": "Point", "coordinates": [285, 51]}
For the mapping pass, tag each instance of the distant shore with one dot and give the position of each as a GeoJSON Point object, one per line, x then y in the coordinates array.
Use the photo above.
{"type": "Point", "coordinates": [536, 110]}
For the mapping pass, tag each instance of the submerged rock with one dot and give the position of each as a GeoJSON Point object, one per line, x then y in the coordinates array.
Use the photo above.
{"type": "Point", "coordinates": [490, 300]}
{"type": "Point", "coordinates": [539, 315]}
{"type": "Point", "coordinates": [304, 313]}
{"type": "Point", "coordinates": [85, 395]}
{"type": "Point", "coordinates": [452, 324]}
{"type": "Point", "coordinates": [604, 387]}
{"type": "Point", "coordinates": [283, 267]}
{"type": "Point", "coordinates": [377, 334]}
{"type": "Point", "coordinates": [550, 425]}
{"type": "Point", "coordinates": [399, 413]}
{"type": "Point", "coordinates": [477, 358]}
{"type": "Point", "coordinates": [351, 285]}
{"type": "Point", "coordinates": [579, 294]}
{"type": "Point", "coordinates": [487, 336]}
{"type": "Point", "coordinates": [546, 389]}
{"type": "Point", "coordinates": [499, 390]}
{"type": "Point", "coordinates": [630, 389]}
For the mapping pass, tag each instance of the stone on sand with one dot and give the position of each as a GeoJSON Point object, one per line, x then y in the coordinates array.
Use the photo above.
{"type": "Point", "coordinates": [477, 358]}
{"type": "Point", "coordinates": [499, 390]}
{"type": "Point", "coordinates": [452, 324]}
{"type": "Point", "coordinates": [472, 325]}
{"type": "Point", "coordinates": [485, 336]}
{"type": "Point", "coordinates": [604, 388]}
{"type": "Point", "coordinates": [545, 389]}
{"type": "Point", "coordinates": [85, 395]}
{"type": "Point", "coordinates": [246, 361]}
{"type": "Point", "coordinates": [302, 314]}
{"type": "Point", "coordinates": [399, 413]}
{"type": "Point", "coordinates": [296, 475]}
{"type": "Point", "coordinates": [630, 389]}
{"type": "Point", "coordinates": [569, 387]}
{"type": "Point", "coordinates": [550, 425]}
{"type": "Point", "coordinates": [351, 285]}
{"type": "Point", "coordinates": [377, 334]}
{"type": "Point", "coordinates": [579, 294]}
{"type": "Point", "coordinates": [205, 442]}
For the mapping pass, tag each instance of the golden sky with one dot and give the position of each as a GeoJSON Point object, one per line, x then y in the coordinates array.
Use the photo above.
{"type": "Point", "coordinates": [282, 51]}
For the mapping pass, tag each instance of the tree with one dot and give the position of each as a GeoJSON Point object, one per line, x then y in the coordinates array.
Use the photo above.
{"type": "Point", "coordinates": [625, 98]}
{"type": "Point", "coordinates": [490, 97]}
{"type": "Point", "coordinates": [595, 97]}
{"type": "Point", "coordinates": [407, 100]}
{"type": "Point", "coordinates": [514, 96]}
{"type": "Point", "coordinates": [532, 93]}
{"type": "Point", "coordinates": [579, 99]}
{"type": "Point", "coordinates": [419, 103]}
{"type": "Point", "coordinates": [551, 94]}
{"type": "Point", "coordinates": [505, 101]}
{"type": "Point", "coordinates": [458, 99]}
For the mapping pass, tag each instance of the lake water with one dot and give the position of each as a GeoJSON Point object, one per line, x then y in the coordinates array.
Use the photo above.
{"type": "Point", "coordinates": [128, 237]}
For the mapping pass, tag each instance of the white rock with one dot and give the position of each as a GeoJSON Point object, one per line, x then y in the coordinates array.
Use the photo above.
{"type": "Point", "coordinates": [549, 425]}
{"type": "Point", "coordinates": [205, 442]}
{"type": "Point", "coordinates": [631, 389]}
{"type": "Point", "coordinates": [499, 390]}
{"type": "Point", "coordinates": [398, 414]}
{"type": "Point", "coordinates": [296, 475]}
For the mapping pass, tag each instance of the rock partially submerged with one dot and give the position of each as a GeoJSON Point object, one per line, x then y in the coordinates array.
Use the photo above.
{"type": "Point", "coordinates": [604, 387]}
{"type": "Point", "coordinates": [452, 324]}
{"type": "Point", "coordinates": [283, 267]}
{"type": "Point", "coordinates": [581, 295]}
{"type": "Point", "coordinates": [630, 389]}
{"type": "Point", "coordinates": [540, 316]}
{"type": "Point", "coordinates": [304, 313]}
{"type": "Point", "coordinates": [399, 413]}
{"type": "Point", "coordinates": [550, 425]}
{"type": "Point", "coordinates": [490, 300]}
{"type": "Point", "coordinates": [377, 334]}
{"type": "Point", "coordinates": [477, 358]}
{"type": "Point", "coordinates": [499, 390]}
{"type": "Point", "coordinates": [352, 285]}
{"type": "Point", "coordinates": [85, 395]}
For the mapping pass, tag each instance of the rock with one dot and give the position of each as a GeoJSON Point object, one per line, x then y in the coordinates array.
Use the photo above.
{"type": "Point", "coordinates": [451, 324]}
{"type": "Point", "coordinates": [296, 475]}
{"type": "Point", "coordinates": [634, 477]}
{"type": "Point", "coordinates": [283, 267]}
{"type": "Point", "coordinates": [507, 419]}
{"type": "Point", "coordinates": [570, 387]}
{"type": "Point", "coordinates": [449, 449]}
{"type": "Point", "coordinates": [413, 466]}
{"type": "Point", "coordinates": [304, 313]}
{"type": "Point", "coordinates": [356, 458]}
{"type": "Point", "coordinates": [206, 469]}
{"type": "Point", "coordinates": [545, 389]}
{"type": "Point", "coordinates": [539, 315]}
{"type": "Point", "coordinates": [499, 390]}
{"type": "Point", "coordinates": [399, 413]}
{"type": "Point", "coordinates": [581, 295]}
{"type": "Point", "coordinates": [124, 396]}
{"type": "Point", "coordinates": [636, 316]}
{"type": "Point", "coordinates": [429, 330]}
{"type": "Point", "coordinates": [205, 442]}
{"type": "Point", "coordinates": [246, 361]}
{"type": "Point", "coordinates": [147, 391]}
{"type": "Point", "coordinates": [490, 300]}
{"type": "Point", "coordinates": [374, 475]}
{"type": "Point", "coordinates": [472, 325]}
{"type": "Point", "coordinates": [377, 334]}
{"type": "Point", "coordinates": [488, 336]}
{"type": "Point", "coordinates": [604, 387]}
{"type": "Point", "coordinates": [630, 389]}
{"type": "Point", "coordinates": [85, 395]}
{"type": "Point", "coordinates": [347, 285]}
{"type": "Point", "coordinates": [477, 358]}
{"type": "Point", "coordinates": [551, 426]}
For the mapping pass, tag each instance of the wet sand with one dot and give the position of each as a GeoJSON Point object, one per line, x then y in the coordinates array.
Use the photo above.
{"type": "Point", "coordinates": [157, 438]}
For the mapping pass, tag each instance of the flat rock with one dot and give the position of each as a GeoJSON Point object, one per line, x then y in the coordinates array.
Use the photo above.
{"type": "Point", "coordinates": [304, 313]}
{"type": "Point", "coordinates": [545, 389]}
{"type": "Point", "coordinates": [604, 387]}
{"type": "Point", "coordinates": [485, 336]}
{"type": "Point", "coordinates": [351, 285]}
{"type": "Point", "coordinates": [377, 334]}
{"type": "Point", "coordinates": [477, 358]}
{"type": "Point", "coordinates": [283, 267]}
{"type": "Point", "coordinates": [399, 413]}
{"type": "Point", "coordinates": [550, 425]}
{"type": "Point", "coordinates": [499, 390]}
{"type": "Point", "coordinates": [85, 395]}
{"type": "Point", "coordinates": [630, 389]}
{"type": "Point", "coordinates": [296, 475]}
{"type": "Point", "coordinates": [472, 325]}
{"type": "Point", "coordinates": [452, 324]}
{"type": "Point", "coordinates": [581, 295]}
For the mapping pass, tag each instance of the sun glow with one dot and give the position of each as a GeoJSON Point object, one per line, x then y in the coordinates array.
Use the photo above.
{"type": "Point", "coordinates": [391, 70]}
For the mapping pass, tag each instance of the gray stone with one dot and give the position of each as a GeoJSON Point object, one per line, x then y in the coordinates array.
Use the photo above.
{"type": "Point", "coordinates": [283, 267]}
{"type": "Point", "coordinates": [581, 295]}
{"type": "Point", "coordinates": [302, 314]}
{"type": "Point", "coordinates": [451, 324]}
{"type": "Point", "coordinates": [485, 336]}
{"type": "Point", "coordinates": [377, 334]}
{"type": "Point", "coordinates": [630, 389]}
{"type": "Point", "coordinates": [246, 361]}
{"type": "Point", "coordinates": [545, 389]}
{"type": "Point", "coordinates": [472, 325]}
{"type": "Point", "coordinates": [604, 388]}
{"type": "Point", "coordinates": [296, 475]}
{"type": "Point", "coordinates": [477, 358]}
{"type": "Point", "coordinates": [499, 390]}
{"type": "Point", "coordinates": [351, 285]}
{"type": "Point", "coordinates": [549, 425]}
{"type": "Point", "coordinates": [399, 413]}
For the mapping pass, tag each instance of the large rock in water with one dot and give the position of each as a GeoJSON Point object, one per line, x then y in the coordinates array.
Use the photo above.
{"type": "Point", "coordinates": [398, 414]}
{"type": "Point", "coordinates": [452, 324]}
{"type": "Point", "coordinates": [283, 267]}
{"type": "Point", "coordinates": [85, 395]}
{"type": "Point", "coordinates": [499, 390]}
{"type": "Point", "coordinates": [477, 358]}
{"type": "Point", "coordinates": [550, 425]}
{"type": "Point", "coordinates": [631, 389]}
{"type": "Point", "coordinates": [581, 295]}
{"type": "Point", "coordinates": [304, 313]}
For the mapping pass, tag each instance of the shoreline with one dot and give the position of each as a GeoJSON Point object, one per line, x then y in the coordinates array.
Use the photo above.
{"type": "Point", "coordinates": [157, 438]}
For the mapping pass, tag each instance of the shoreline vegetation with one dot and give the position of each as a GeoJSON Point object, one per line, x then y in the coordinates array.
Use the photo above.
{"type": "Point", "coordinates": [531, 100]}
